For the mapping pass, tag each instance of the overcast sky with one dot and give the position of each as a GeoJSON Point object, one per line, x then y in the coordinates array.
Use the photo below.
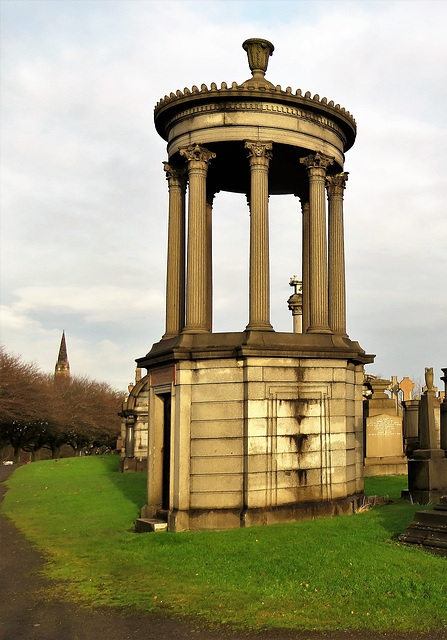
{"type": "Point", "coordinates": [84, 195]}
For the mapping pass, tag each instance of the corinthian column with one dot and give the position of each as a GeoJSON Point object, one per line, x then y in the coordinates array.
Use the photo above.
{"type": "Point", "coordinates": [336, 249]}
{"type": "Point", "coordinates": [316, 165]}
{"type": "Point", "coordinates": [197, 290]}
{"type": "Point", "coordinates": [305, 209]}
{"type": "Point", "coordinates": [209, 254]}
{"type": "Point", "coordinates": [175, 278]}
{"type": "Point", "coordinates": [259, 154]}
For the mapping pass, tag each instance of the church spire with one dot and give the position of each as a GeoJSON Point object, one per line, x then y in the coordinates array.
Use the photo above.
{"type": "Point", "coordinates": [62, 369]}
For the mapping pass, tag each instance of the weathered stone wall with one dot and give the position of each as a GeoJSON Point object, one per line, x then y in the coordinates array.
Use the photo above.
{"type": "Point", "coordinates": [270, 432]}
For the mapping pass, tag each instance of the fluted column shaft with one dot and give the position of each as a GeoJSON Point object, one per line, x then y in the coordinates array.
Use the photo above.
{"type": "Point", "coordinates": [318, 276]}
{"type": "Point", "coordinates": [305, 208]}
{"type": "Point", "coordinates": [197, 304]}
{"type": "Point", "coordinates": [209, 255]}
{"type": "Point", "coordinates": [336, 253]}
{"type": "Point", "coordinates": [175, 278]}
{"type": "Point", "coordinates": [259, 154]}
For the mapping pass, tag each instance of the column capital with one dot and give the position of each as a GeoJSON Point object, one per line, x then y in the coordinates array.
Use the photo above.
{"type": "Point", "coordinates": [317, 163]}
{"type": "Point", "coordinates": [175, 175]}
{"type": "Point", "coordinates": [173, 171]}
{"type": "Point", "coordinates": [336, 184]}
{"type": "Point", "coordinates": [197, 153]}
{"type": "Point", "coordinates": [304, 203]}
{"type": "Point", "coordinates": [295, 304]}
{"type": "Point", "coordinates": [259, 153]}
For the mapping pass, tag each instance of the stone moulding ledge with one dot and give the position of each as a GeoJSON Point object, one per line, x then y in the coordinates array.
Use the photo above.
{"type": "Point", "coordinates": [254, 344]}
{"type": "Point", "coordinates": [226, 92]}
{"type": "Point", "coordinates": [259, 90]}
{"type": "Point", "coordinates": [260, 107]}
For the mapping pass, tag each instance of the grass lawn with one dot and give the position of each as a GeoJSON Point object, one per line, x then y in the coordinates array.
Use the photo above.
{"type": "Point", "coordinates": [347, 572]}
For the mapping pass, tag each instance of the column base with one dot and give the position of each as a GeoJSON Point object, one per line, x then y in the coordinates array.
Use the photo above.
{"type": "Point", "coordinates": [259, 326]}
{"type": "Point", "coordinates": [195, 330]}
{"type": "Point", "coordinates": [319, 330]}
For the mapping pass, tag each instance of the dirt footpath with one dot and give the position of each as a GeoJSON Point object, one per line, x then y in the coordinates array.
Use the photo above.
{"type": "Point", "coordinates": [25, 615]}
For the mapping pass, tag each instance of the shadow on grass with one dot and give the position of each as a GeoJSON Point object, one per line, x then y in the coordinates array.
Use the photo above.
{"type": "Point", "coordinates": [133, 486]}
{"type": "Point", "coordinates": [395, 517]}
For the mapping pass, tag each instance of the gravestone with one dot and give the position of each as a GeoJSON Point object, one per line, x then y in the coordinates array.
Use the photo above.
{"type": "Point", "coordinates": [427, 469]}
{"type": "Point", "coordinates": [384, 441]}
{"type": "Point", "coordinates": [444, 412]}
{"type": "Point", "coordinates": [410, 425]}
{"type": "Point", "coordinates": [410, 417]}
{"type": "Point", "coordinates": [406, 386]}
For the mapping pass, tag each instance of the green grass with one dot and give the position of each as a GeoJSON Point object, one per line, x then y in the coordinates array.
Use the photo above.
{"type": "Point", "coordinates": [390, 486]}
{"type": "Point", "coordinates": [346, 572]}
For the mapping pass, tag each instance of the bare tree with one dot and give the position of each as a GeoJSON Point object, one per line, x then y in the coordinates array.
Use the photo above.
{"type": "Point", "coordinates": [24, 405]}
{"type": "Point", "coordinates": [38, 410]}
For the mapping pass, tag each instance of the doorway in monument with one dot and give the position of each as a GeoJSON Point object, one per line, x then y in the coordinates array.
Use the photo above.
{"type": "Point", "coordinates": [159, 477]}
{"type": "Point", "coordinates": [166, 451]}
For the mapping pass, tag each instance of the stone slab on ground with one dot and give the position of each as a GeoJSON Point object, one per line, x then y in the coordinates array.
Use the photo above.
{"type": "Point", "coordinates": [429, 529]}
{"type": "Point", "coordinates": [144, 525]}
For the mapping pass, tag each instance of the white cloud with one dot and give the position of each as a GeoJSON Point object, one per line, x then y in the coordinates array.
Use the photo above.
{"type": "Point", "coordinates": [84, 197]}
{"type": "Point", "coordinates": [95, 304]}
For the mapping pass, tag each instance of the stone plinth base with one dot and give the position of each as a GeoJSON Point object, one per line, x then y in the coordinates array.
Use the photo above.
{"type": "Point", "coordinates": [426, 454]}
{"type": "Point", "coordinates": [429, 529]}
{"type": "Point", "coordinates": [217, 519]}
{"type": "Point", "coordinates": [385, 466]}
{"type": "Point", "coordinates": [130, 465]}
{"type": "Point", "coordinates": [427, 479]}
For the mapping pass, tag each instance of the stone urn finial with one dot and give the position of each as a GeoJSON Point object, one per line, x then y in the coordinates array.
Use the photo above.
{"type": "Point", "coordinates": [258, 52]}
{"type": "Point", "coordinates": [429, 377]}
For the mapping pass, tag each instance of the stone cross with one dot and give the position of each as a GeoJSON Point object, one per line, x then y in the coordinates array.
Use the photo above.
{"type": "Point", "coordinates": [297, 284]}
{"type": "Point", "coordinates": [406, 386]}
{"type": "Point", "coordinates": [394, 387]}
{"type": "Point", "coordinates": [295, 303]}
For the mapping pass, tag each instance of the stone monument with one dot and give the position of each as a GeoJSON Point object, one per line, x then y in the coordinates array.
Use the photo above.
{"type": "Point", "coordinates": [383, 432]}
{"type": "Point", "coordinates": [410, 417]}
{"type": "Point", "coordinates": [257, 426]}
{"type": "Point", "coordinates": [427, 469]}
{"type": "Point", "coordinates": [429, 528]}
{"type": "Point", "coordinates": [134, 425]}
{"type": "Point", "coordinates": [295, 304]}
{"type": "Point", "coordinates": [443, 419]}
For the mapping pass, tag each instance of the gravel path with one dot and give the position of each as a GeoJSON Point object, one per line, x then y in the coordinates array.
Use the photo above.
{"type": "Point", "coordinates": [26, 615]}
